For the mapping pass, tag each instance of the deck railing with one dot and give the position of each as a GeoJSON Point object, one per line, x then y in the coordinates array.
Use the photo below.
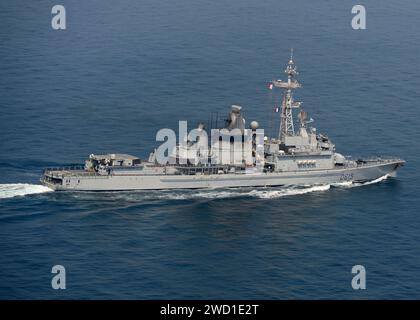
{"type": "Point", "coordinates": [69, 171]}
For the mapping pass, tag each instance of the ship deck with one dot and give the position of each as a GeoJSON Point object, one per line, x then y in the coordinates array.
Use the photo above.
{"type": "Point", "coordinates": [79, 171]}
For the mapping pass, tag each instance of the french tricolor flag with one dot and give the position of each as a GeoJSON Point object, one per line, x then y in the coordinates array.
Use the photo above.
{"type": "Point", "coordinates": [270, 86]}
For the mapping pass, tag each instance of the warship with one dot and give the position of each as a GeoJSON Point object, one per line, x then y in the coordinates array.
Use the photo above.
{"type": "Point", "coordinates": [297, 156]}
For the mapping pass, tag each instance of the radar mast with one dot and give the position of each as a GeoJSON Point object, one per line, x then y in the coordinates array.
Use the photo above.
{"type": "Point", "coordinates": [288, 103]}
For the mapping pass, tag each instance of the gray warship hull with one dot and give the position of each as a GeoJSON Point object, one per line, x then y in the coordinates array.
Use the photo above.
{"type": "Point", "coordinates": [80, 180]}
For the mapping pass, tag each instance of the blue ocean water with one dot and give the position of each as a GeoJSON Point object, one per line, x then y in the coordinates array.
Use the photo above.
{"type": "Point", "coordinates": [122, 70]}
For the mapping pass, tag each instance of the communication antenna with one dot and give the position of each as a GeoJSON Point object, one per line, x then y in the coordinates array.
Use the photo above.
{"type": "Point", "coordinates": [288, 104]}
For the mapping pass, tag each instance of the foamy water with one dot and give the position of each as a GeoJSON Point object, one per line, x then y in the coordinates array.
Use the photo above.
{"type": "Point", "coordinates": [373, 181]}
{"type": "Point", "coordinates": [261, 193]}
{"type": "Point", "coordinates": [21, 189]}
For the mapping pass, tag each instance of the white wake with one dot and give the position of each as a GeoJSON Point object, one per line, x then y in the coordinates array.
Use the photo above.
{"type": "Point", "coordinates": [271, 194]}
{"type": "Point", "coordinates": [21, 189]}
{"type": "Point", "coordinates": [373, 181]}
{"type": "Point", "coordinates": [350, 184]}
{"type": "Point", "coordinates": [261, 193]}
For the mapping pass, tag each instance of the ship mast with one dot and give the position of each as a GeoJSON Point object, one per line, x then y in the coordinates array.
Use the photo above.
{"type": "Point", "coordinates": [288, 103]}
